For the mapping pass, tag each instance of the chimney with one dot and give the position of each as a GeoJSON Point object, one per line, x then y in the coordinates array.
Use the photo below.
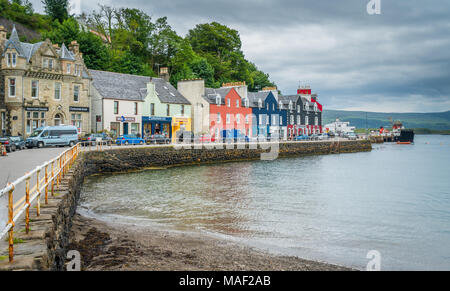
{"type": "Point", "coordinates": [164, 73]}
{"type": "Point", "coordinates": [74, 47]}
{"type": "Point", "coordinates": [3, 32]}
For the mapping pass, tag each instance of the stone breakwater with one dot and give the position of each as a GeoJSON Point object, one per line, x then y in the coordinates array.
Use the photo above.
{"type": "Point", "coordinates": [46, 246]}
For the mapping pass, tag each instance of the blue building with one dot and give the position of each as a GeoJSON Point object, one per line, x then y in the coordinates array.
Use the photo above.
{"type": "Point", "coordinates": [269, 115]}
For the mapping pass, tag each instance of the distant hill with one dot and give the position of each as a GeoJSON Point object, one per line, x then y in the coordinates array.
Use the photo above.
{"type": "Point", "coordinates": [435, 121]}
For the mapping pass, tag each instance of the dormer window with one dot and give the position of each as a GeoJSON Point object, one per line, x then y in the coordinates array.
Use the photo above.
{"type": "Point", "coordinates": [298, 108]}
{"type": "Point", "coordinates": [218, 101]}
{"type": "Point", "coordinates": [281, 105]}
{"type": "Point", "coordinates": [260, 103]}
{"type": "Point", "coordinates": [228, 102]}
{"type": "Point", "coordinates": [290, 105]}
{"type": "Point", "coordinates": [315, 107]}
{"type": "Point", "coordinates": [237, 103]}
{"type": "Point", "coordinates": [50, 64]}
{"type": "Point", "coordinates": [246, 102]}
{"type": "Point", "coordinates": [69, 68]}
{"type": "Point", "coordinates": [76, 70]}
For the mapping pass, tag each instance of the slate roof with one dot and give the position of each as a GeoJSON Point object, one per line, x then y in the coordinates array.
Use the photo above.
{"type": "Point", "coordinates": [211, 93]}
{"type": "Point", "coordinates": [255, 96]}
{"type": "Point", "coordinates": [65, 54]}
{"type": "Point", "coordinates": [25, 50]}
{"type": "Point", "coordinates": [167, 93]}
{"type": "Point", "coordinates": [120, 86]}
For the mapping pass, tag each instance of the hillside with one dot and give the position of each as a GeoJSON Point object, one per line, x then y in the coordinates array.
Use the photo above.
{"type": "Point", "coordinates": [435, 121]}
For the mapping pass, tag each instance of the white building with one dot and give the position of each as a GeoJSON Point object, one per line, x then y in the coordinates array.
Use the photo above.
{"type": "Point", "coordinates": [117, 101]}
{"type": "Point", "coordinates": [340, 127]}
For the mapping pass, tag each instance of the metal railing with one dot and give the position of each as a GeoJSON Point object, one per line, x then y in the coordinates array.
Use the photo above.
{"type": "Point", "coordinates": [47, 177]}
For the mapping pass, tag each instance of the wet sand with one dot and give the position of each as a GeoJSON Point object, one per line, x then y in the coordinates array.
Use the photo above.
{"type": "Point", "coordinates": [108, 247]}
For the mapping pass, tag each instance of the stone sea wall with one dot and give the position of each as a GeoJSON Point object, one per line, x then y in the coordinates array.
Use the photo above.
{"type": "Point", "coordinates": [45, 248]}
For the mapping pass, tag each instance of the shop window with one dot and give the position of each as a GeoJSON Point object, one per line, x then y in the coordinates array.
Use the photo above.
{"type": "Point", "coordinates": [135, 128]}
{"type": "Point", "coordinates": [77, 121]}
{"type": "Point", "coordinates": [35, 120]}
{"type": "Point", "coordinates": [115, 129]}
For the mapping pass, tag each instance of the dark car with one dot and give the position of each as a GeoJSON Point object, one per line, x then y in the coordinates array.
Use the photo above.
{"type": "Point", "coordinates": [19, 142]}
{"type": "Point", "coordinates": [158, 139]}
{"type": "Point", "coordinates": [94, 138]}
{"type": "Point", "coordinates": [8, 143]}
{"type": "Point", "coordinates": [186, 137]}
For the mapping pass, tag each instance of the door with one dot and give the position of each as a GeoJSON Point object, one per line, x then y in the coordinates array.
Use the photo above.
{"type": "Point", "coordinates": [125, 128]}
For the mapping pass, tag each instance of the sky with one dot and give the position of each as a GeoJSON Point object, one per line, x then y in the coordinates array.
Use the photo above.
{"type": "Point", "coordinates": [395, 61]}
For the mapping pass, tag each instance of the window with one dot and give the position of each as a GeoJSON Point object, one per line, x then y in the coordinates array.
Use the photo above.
{"type": "Point", "coordinates": [8, 59]}
{"type": "Point", "coordinates": [291, 107]}
{"type": "Point", "coordinates": [298, 119]}
{"type": "Point", "coordinates": [12, 87]}
{"type": "Point", "coordinates": [315, 107]}
{"type": "Point", "coordinates": [229, 102]}
{"type": "Point", "coordinates": [76, 93]}
{"type": "Point", "coordinates": [45, 65]}
{"type": "Point", "coordinates": [260, 103]}
{"type": "Point", "coordinates": [267, 106]}
{"type": "Point", "coordinates": [298, 108]}
{"type": "Point", "coordinates": [50, 64]}
{"type": "Point", "coordinates": [238, 118]}
{"type": "Point", "coordinates": [237, 103]}
{"type": "Point", "coordinates": [168, 109]}
{"type": "Point", "coordinates": [316, 121]}
{"type": "Point", "coordinates": [57, 91]}
{"type": "Point", "coordinates": [281, 120]}
{"type": "Point", "coordinates": [136, 108]}
{"type": "Point", "coordinates": [274, 119]}
{"type": "Point", "coordinates": [135, 128]}
{"type": "Point", "coordinates": [218, 101]}
{"type": "Point", "coordinates": [260, 119]}
{"type": "Point", "coordinates": [247, 103]}
{"type": "Point", "coordinates": [273, 107]}
{"type": "Point", "coordinates": [182, 110]}
{"type": "Point", "coordinates": [35, 120]}
{"type": "Point", "coordinates": [77, 121]}
{"type": "Point", "coordinates": [58, 119]}
{"type": "Point", "coordinates": [228, 117]}
{"type": "Point", "coordinates": [306, 120]}
{"type": "Point", "coordinates": [76, 70]}
{"type": "Point", "coordinates": [13, 59]}
{"type": "Point", "coordinates": [35, 89]}
{"type": "Point", "coordinates": [218, 117]}
{"type": "Point", "coordinates": [3, 121]}
{"type": "Point", "coordinates": [292, 119]}
{"type": "Point", "coordinates": [116, 107]}
{"type": "Point", "coordinates": [152, 109]}
{"type": "Point", "coordinates": [267, 119]}
{"type": "Point", "coordinates": [69, 68]}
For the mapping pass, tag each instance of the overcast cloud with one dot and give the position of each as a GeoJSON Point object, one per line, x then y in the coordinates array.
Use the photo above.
{"type": "Point", "coordinates": [398, 61]}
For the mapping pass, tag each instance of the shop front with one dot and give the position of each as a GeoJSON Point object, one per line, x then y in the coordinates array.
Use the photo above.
{"type": "Point", "coordinates": [124, 126]}
{"type": "Point", "coordinates": [180, 124]}
{"type": "Point", "coordinates": [157, 125]}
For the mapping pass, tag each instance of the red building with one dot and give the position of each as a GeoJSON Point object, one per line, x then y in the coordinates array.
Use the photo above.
{"type": "Point", "coordinates": [228, 110]}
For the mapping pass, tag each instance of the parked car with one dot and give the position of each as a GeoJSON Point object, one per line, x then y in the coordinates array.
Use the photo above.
{"type": "Point", "coordinates": [301, 137]}
{"type": "Point", "coordinates": [314, 137]}
{"type": "Point", "coordinates": [185, 137]}
{"type": "Point", "coordinates": [206, 138]}
{"type": "Point", "coordinates": [64, 135]}
{"type": "Point", "coordinates": [158, 139]}
{"type": "Point", "coordinates": [93, 138]}
{"type": "Point", "coordinates": [8, 143]}
{"type": "Point", "coordinates": [351, 136]}
{"type": "Point", "coordinates": [323, 136]}
{"type": "Point", "coordinates": [128, 139]}
{"type": "Point", "coordinates": [331, 134]}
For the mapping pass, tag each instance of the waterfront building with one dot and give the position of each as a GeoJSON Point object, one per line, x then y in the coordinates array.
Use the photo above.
{"type": "Point", "coordinates": [117, 102]}
{"type": "Point", "coordinates": [229, 109]}
{"type": "Point", "coordinates": [339, 127]}
{"type": "Point", "coordinates": [166, 111]}
{"type": "Point", "coordinates": [42, 84]}
{"type": "Point", "coordinates": [292, 105]}
{"type": "Point", "coordinates": [194, 92]}
{"type": "Point", "coordinates": [269, 113]}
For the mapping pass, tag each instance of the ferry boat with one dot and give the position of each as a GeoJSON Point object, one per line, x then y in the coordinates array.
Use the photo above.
{"type": "Point", "coordinates": [402, 135]}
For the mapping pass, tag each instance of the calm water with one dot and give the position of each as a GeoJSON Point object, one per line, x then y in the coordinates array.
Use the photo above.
{"type": "Point", "coordinates": [336, 208]}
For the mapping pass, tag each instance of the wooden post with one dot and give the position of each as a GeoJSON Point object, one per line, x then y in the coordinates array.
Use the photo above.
{"type": "Point", "coordinates": [11, 221]}
{"type": "Point", "coordinates": [38, 206]}
{"type": "Point", "coordinates": [27, 201]}
{"type": "Point", "coordinates": [53, 180]}
{"type": "Point", "coordinates": [46, 184]}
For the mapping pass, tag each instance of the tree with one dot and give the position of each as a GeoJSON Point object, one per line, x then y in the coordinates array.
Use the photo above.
{"type": "Point", "coordinates": [57, 9]}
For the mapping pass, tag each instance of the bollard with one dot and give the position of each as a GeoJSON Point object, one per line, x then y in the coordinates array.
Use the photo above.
{"type": "Point", "coordinates": [4, 153]}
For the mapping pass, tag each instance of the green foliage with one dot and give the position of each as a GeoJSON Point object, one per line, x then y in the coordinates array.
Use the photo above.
{"type": "Point", "coordinates": [57, 9]}
{"type": "Point", "coordinates": [128, 41]}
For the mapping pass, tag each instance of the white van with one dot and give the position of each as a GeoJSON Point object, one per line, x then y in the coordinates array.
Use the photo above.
{"type": "Point", "coordinates": [64, 135]}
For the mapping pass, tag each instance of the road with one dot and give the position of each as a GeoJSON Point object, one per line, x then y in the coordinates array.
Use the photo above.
{"type": "Point", "coordinates": [15, 165]}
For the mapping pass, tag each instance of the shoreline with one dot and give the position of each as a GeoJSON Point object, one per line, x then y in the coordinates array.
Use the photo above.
{"type": "Point", "coordinates": [113, 247]}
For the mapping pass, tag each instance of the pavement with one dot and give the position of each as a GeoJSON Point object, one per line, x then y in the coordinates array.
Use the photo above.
{"type": "Point", "coordinates": [15, 165]}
